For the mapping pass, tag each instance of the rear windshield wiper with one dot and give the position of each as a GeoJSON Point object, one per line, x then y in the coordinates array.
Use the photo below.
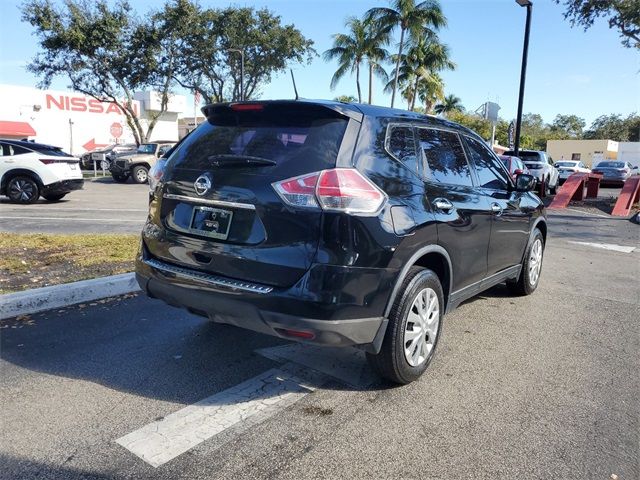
{"type": "Point", "coordinates": [225, 160]}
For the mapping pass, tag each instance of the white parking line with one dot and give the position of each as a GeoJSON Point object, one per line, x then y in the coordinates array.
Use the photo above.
{"type": "Point", "coordinates": [605, 246]}
{"type": "Point", "coordinates": [306, 368]}
{"type": "Point", "coordinates": [266, 394]}
{"type": "Point", "coordinates": [72, 219]}
{"type": "Point", "coordinates": [55, 209]}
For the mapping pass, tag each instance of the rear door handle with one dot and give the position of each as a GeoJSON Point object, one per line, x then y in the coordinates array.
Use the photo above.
{"type": "Point", "coordinates": [496, 208]}
{"type": "Point", "coordinates": [443, 205]}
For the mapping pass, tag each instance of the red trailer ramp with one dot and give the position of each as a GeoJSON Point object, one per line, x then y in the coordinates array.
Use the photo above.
{"type": "Point", "coordinates": [628, 196]}
{"type": "Point", "coordinates": [573, 189]}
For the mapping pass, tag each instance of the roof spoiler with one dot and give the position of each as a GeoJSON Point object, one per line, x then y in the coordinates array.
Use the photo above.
{"type": "Point", "coordinates": [347, 110]}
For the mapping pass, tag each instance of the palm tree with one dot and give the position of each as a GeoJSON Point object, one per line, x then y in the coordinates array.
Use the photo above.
{"type": "Point", "coordinates": [376, 39]}
{"type": "Point", "coordinates": [350, 49]}
{"type": "Point", "coordinates": [422, 61]}
{"type": "Point", "coordinates": [412, 18]}
{"type": "Point", "coordinates": [450, 103]}
{"type": "Point", "coordinates": [431, 90]}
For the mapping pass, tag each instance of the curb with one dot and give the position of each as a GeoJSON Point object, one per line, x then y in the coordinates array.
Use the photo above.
{"type": "Point", "coordinates": [56, 296]}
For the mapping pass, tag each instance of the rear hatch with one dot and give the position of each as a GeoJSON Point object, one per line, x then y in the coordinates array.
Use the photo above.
{"type": "Point", "coordinates": [61, 164]}
{"type": "Point", "coordinates": [217, 204]}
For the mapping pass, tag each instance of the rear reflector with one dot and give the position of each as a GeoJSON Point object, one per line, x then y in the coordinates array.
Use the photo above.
{"type": "Point", "coordinates": [296, 333]}
{"type": "Point", "coordinates": [338, 190]}
{"type": "Point", "coordinates": [243, 107]}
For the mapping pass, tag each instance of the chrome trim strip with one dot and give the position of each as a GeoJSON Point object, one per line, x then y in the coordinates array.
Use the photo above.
{"type": "Point", "coordinates": [207, 278]}
{"type": "Point", "coordinates": [217, 203]}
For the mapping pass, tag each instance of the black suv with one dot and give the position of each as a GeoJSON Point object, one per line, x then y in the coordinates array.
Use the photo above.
{"type": "Point", "coordinates": [337, 224]}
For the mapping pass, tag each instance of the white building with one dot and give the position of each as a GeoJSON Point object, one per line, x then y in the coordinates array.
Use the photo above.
{"type": "Point", "coordinates": [629, 152]}
{"type": "Point", "coordinates": [78, 123]}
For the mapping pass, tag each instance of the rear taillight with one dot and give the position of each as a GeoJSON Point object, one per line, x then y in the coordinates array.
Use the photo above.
{"type": "Point", "coordinates": [47, 161]}
{"type": "Point", "coordinates": [338, 190]}
{"type": "Point", "coordinates": [156, 173]}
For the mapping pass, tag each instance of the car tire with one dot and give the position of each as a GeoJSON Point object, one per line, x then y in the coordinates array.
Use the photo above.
{"type": "Point", "coordinates": [531, 267]}
{"type": "Point", "coordinates": [140, 174]}
{"type": "Point", "coordinates": [23, 189]}
{"type": "Point", "coordinates": [54, 198]}
{"type": "Point", "coordinates": [409, 346]}
{"type": "Point", "coordinates": [120, 178]}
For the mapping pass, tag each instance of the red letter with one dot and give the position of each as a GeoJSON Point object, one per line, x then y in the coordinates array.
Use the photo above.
{"type": "Point", "coordinates": [78, 104]}
{"type": "Point", "coordinates": [113, 108]}
{"type": "Point", "coordinates": [51, 100]}
{"type": "Point", "coordinates": [95, 106]}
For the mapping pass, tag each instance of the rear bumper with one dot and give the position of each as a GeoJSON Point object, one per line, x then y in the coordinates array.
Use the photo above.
{"type": "Point", "coordinates": [330, 305]}
{"type": "Point", "coordinates": [63, 186]}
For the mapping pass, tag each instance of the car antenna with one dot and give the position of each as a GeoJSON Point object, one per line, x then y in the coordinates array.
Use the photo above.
{"type": "Point", "coordinates": [293, 79]}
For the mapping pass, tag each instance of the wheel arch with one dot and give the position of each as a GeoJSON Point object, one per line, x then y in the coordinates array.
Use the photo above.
{"type": "Point", "coordinates": [16, 172]}
{"type": "Point", "coordinates": [433, 257]}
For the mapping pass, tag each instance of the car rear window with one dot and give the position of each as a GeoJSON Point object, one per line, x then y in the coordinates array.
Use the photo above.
{"type": "Point", "coordinates": [53, 152]}
{"type": "Point", "coordinates": [281, 135]}
{"type": "Point", "coordinates": [527, 156]}
{"type": "Point", "coordinates": [611, 165]}
{"type": "Point", "coordinates": [566, 164]}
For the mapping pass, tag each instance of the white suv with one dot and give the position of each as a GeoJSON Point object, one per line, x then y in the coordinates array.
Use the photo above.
{"type": "Point", "coordinates": [29, 170]}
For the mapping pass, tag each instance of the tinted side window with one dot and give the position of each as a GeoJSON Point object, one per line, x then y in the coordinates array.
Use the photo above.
{"type": "Point", "coordinates": [18, 150]}
{"type": "Point", "coordinates": [445, 158]}
{"type": "Point", "coordinates": [490, 175]}
{"type": "Point", "coordinates": [401, 144]}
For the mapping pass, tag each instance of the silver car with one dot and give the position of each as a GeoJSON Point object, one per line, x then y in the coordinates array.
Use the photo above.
{"type": "Point", "coordinates": [614, 172]}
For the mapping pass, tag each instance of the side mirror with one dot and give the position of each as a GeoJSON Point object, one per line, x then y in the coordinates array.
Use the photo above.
{"type": "Point", "coordinates": [518, 171]}
{"type": "Point", "coordinates": [525, 182]}
{"type": "Point", "coordinates": [635, 168]}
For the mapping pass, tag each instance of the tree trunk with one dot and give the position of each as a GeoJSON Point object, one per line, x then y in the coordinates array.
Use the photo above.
{"type": "Point", "coordinates": [370, 83]}
{"type": "Point", "coordinates": [395, 80]}
{"type": "Point", "coordinates": [358, 82]}
{"type": "Point", "coordinates": [415, 93]}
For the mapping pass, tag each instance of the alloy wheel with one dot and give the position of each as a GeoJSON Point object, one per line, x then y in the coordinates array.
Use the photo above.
{"type": "Point", "coordinates": [535, 261]}
{"type": "Point", "coordinates": [421, 328]}
{"type": "Point", "coordinates": [21, 190]}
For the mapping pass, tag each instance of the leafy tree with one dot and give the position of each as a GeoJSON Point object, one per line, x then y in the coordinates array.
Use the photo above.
{"type": "Point", "coordinates": [105, 52]}
{"type": "Point", "coordinates": [621, 14]}
{"type": "Point", "coordinates": [451, 103]}
{"type": "Point", "coordinates": [417, 20]}
{"type": "Point", "coordinates": [615, 127]}
{"type": "Point", "coordinates": [346, 99]}
{"type": "Point", "coordinates": [210, 62]}
{"type": "Point", "coordinates": [567, 127]}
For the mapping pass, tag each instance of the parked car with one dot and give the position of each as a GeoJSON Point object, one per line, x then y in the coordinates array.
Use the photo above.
{"type": "Point", "coordinates": [29, 170]}
{"type": "Point", "coordinates": [337, 224]}
{"type": "Point", "coordinates": [568, 167]}
{"type": "Point", "coordinates": [110, 152]}
{"type": "Point", "coordinates": [137, 165]}
{"type": "Point", "coordinates": [514, 165]}
{"type": "Point", "coordinates": [540, 165]}
{"type": "Point", "coordinates": [614, 172]}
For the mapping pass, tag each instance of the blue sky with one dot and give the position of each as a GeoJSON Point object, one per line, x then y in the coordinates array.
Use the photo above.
{"type": "Point", "coordinates": [570, 71]}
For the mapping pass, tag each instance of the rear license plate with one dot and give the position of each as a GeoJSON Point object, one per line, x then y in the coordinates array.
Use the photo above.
{"type": "Point", "coordinates": [212, 222]}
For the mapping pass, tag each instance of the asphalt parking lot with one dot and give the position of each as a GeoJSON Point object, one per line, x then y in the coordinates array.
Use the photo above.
{"type": "Point", "coordinates": [103, 206]}
{"type": "Point", "coordinates": [544, 386]}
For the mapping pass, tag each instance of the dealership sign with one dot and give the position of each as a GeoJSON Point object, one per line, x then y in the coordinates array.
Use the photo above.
{"type": "Point", "coordinates": [77, 122]}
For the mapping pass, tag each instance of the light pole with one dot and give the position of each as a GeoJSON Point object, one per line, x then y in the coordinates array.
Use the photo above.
{"type": "Point", "coordinates": [523, 72]}
{"type": "Point", "coordinates": [241, 52]}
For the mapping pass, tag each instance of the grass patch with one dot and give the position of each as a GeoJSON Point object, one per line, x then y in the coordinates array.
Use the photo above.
{"type": "Point", "coordinates": [39, 260]}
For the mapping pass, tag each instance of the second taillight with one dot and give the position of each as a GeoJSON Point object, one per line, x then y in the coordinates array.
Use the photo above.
{"type": "Point", "coordinates": [338, 190]}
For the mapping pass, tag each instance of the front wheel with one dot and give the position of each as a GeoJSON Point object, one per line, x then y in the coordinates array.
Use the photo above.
{"type": "Point", "coordinates": [415, 323]}
{"type": "Point", "coordinates": [23, 190]}
{"type": "Point", "coordinates": [531, 267]}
